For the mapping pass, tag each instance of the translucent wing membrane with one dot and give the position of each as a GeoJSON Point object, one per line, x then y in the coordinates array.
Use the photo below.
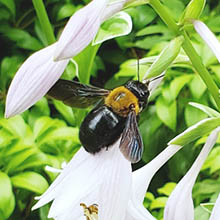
{"type": "Point", "coordinates": [76, 94]}
{"type": "Point", "coordinates": [131, 144]}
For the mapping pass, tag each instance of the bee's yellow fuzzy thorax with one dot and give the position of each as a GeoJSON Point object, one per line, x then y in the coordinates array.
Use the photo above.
{"type": "Point", "coordinates": [120, 100]}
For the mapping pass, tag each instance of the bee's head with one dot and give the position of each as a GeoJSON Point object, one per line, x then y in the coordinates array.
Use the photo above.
{"type": "Point", "coordinates": [140, 90]}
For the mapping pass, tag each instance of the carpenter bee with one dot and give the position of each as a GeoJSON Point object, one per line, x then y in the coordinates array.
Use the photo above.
{"type": "Point", "coordinates": [105, 123]}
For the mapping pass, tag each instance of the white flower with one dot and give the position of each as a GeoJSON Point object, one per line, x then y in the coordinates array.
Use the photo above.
{"type": "Point", "coordinates": [140, 182]}
{"type": "Point", "coordinates": [33, 80]}
{"type": "Point", "coordinates": [208, 37]}
{"type": "Point", "coordinates": [103, 179]}
{"type": "Point", "coordinates": [180, 203]}
{"type": "Point", "coordinates": [112, 8]}
{"type": "Point", "coordinates": [83, 26]}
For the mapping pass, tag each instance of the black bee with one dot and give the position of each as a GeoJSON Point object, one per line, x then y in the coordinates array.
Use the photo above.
{"type": "Point", "coordinates": [116, 117]}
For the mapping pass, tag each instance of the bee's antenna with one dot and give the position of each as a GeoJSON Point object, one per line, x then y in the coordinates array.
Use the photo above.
{"type": "Point", "coordinates": [138, 69]}
{"type": "Point", "coordinates": [138, 63]}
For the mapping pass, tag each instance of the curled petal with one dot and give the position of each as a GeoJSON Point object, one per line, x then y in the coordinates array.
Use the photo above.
{"type": "Point", "coordinates": [142, 177]}
{"type": "Point", "coordinates": [91, 179]}
{"type": "Point", "coordinates": [112, 8]}
{"type": "Point", "coordinates": [80, 30]}
{"type": "Point", "coordinates": [141, 180]}
{"type": "Point", "coordinates": [32, 81]}
{"type": "Point", "coordinates": [180, 203]}
{"type": "Point", "coordinates": [208, 37]}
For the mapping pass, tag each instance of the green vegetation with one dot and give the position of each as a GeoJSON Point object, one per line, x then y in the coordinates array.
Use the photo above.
{"type": "Point", "coordinates": [47, 133]}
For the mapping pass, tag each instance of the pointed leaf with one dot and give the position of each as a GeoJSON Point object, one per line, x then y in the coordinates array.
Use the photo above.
{"type": "Point", "coordinates": [7, 200]}
{"type": "Point", "coordinates": [31, 181]}
{"type": "Point", "coordinates": [196, 131]}
{"type": "Point", "coordinates": [209, 111]}
{"type": "Point", "coordinates": [167, 112]}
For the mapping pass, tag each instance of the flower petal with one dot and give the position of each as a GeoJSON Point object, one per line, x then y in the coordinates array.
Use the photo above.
{"type": "Point", "coordinates": [180, 203]}
{"type": "Point", "coordinates": [80, 30]}
{"type": "Point", "coordinates": [115, 192]}
{"type": "Point", "coordinates": [208, 37]}
{"type": "Point", "coordinates": [112, 8]}
{"type": "Point", "coordinates": [142, 177]}
{"type": "Point", "coordinates": [141, 180]}
{"type": "Point", "coordinates": [91, 179]}
{"type": "Point", "coordinates": [32, 81]}
{"type": "Point", "coordinates": [136, 211]}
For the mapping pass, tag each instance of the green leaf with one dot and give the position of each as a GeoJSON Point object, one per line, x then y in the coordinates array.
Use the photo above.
{"type": "Point", "coordinates": [17, 127]}
{"type": "Point", "coordinates": [193, 115]}
{"type": "Point", "coordinates": [167, 112]}
{"type": "Point", "coordinates": [19, 158]}
{"type": "Point", "coordinates": [41, 108]}
{"type": "Point", "coordinates": [177, 84]}
{"type": "Point", "coordinates": [196, 131]}
{"type": "Point", "coordinates": [201, 214]}
{"type": "Point", "coordinates": [9, 66]}
{"type": "Point", "coordinates": [67, 10]}
{"type": "Point", "coordinates": [119, 24]}
{"type": "Point", "coordinates": [85, 60]}
{"type": "Point", "coordinates": [159, 202]}
{"type": "Point", "coordinates": [65, 111]}
{"type": "Point", "coordinates": [205, 187]}
{"type": "Point", "coordinates": [71, 70]}
{"type": "Point", "coordinates": [133, 3]}
{"type": "Point", "coordinates": [10, 5]}
{"type": "Point", "coordinates": [45, 125]}
{"type": "Point", "coordinates": [22, 38]}
{"type": "Point", "coordinates": [31, 181]}
{"type": "Point", "coordinates": [35, 160]}
{"type": "Point", "coordinates": [207, 206]}
{"type": "Point", "coordinates": [193, 10]}
{"type": "Point", "coordinates": [153, 29]}
{"type": "Point", "coordinates": [197, 87]}
{"type": "Point", "coordinates": [44, 212]}
{"type": "Point", "coordinates": [129, 69]}
{"type": "Point", "coordinates": [63, 133]}
{"type": "Point", "coordinates": [141, 16]}
{"type": "Point", "coordinates": [209, 111]}
{"type": "Point", "coordinates": [167, 189]}
{"type": "Point", "coordinates": [7, 200]}
{"type": "Point", "coordinates": [213, 161]}
{"type": "Point", "coordinates": [166, 57]}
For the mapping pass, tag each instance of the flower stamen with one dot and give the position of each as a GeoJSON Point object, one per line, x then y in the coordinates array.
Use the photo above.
{"type": "Point", "coordinates": [91, 212]}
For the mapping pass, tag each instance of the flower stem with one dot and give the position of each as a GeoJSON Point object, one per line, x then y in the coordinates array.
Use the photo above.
{"type": "Point", "coordinates": [188, 48]}
{"type": "Point", "coordinates": [44, 21]}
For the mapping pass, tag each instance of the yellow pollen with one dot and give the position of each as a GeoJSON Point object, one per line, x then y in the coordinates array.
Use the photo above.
{"type": "Point", "coordinates": [122, 101]}
{"type": "Point", "coordinates": [91, 212]}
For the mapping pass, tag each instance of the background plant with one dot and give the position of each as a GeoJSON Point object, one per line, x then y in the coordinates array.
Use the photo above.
{"type": "Point", "coordinates": [47, 134]}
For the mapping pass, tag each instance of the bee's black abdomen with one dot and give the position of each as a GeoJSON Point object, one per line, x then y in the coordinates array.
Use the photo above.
{"type": "Point", "coordinates": [101, 128]}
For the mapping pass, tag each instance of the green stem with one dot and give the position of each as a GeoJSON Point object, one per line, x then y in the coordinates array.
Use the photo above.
{"type": "Point", "coordinates": [200, 68]}
{"type": "Point", "coordinates": [164, 13]}
{"type": "Point", "coordinates": [188, 48]}
{"type": "Point", "coordinates": [44, 20]}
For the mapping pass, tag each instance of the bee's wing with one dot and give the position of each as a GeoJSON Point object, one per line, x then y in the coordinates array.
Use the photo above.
{"type": "Point", "coordinates": [131, 144]}
{"type": "Point", "coordinates": [76, 94]}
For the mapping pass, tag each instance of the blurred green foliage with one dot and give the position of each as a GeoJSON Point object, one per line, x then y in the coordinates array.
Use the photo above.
{"type": "Point", "coordinates": [47, 134]}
